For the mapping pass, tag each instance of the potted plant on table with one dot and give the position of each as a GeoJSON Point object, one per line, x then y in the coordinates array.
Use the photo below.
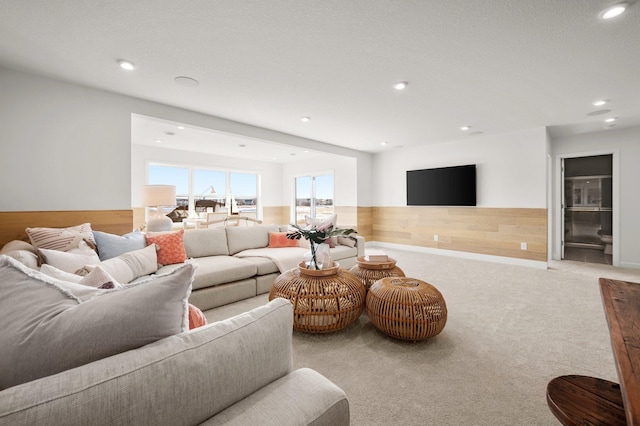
{"type": "Point", "coordinates": [316, 235]}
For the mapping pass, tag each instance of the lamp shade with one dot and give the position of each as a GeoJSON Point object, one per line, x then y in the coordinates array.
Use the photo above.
{"type": "Point", "coordinates": [158, 195]}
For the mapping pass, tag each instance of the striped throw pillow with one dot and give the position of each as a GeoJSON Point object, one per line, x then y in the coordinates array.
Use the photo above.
{"type": "Point", "coordinates": [62, 239]}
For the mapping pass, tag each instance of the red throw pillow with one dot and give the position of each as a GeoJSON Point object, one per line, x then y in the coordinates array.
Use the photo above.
{"type": "Point", "coordinates": [279, 239]}
{"type": "Point", "coordinates": [196, 317]}
{"type": "Point", "coordinates": [170, 246]}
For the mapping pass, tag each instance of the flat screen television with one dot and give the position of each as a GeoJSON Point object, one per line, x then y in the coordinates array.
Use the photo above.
{"type": "Point", "coordinates": [444, 186]}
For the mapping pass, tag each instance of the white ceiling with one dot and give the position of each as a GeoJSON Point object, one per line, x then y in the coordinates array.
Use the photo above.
{"type": "Point", "coordinates": [496, 65]}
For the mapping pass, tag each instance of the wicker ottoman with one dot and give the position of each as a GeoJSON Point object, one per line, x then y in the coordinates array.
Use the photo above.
{"type": "Point", "coordinates": [406, 308]}
{"type": "Point", "coordinates": [323, 301]}
{"type": "Point", "coordinates": [370, 272]}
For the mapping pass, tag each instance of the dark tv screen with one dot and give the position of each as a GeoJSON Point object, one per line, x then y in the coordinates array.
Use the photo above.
{"type": "Point", "coordinates": [445, 186]}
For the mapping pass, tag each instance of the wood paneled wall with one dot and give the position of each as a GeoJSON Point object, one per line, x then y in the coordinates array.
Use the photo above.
{"type": "Point", "coordinates": [491, 231]}
{"type": "Point", "coordinates": [278, 215]}
{"type": "Point", "coordinates": [13, 224]}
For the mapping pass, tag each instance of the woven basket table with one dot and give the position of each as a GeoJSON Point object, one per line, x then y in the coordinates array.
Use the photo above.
{"type": "Point", "coordinates": [370, 272]}
{"type": "Point", "coordinates": [406, 308]}
{"type": "Point", "coordinates": [323, 301]}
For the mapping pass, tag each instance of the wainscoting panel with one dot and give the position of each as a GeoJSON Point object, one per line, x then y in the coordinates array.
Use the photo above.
{"type": "Point", "coordinates": [491, 231]}
{"type": "Point", "coordinates": [275, 215]}
{"type": "Point", "coordinates": [365, 222]}
{"type": "Point", "coordinates": [13, 224]}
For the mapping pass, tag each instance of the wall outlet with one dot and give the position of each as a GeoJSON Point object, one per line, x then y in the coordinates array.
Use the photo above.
{"type": "Point", "coordinates": [523, 246]}
{"type": "Point", "coordinates": [435, 238]}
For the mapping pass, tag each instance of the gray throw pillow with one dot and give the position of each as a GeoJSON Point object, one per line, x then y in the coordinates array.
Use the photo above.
{"type": "Point", "coordinates": [111, 245]}
{"type": "Point", "coordinates": [49, 325]}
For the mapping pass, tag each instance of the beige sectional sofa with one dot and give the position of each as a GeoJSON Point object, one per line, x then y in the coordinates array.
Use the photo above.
{"type": "Point", "coordinates": [207, 376]}
{"type": "Point", "coordinates": [229, 269]}
{"type": "Point", "coordinates": [63, 359]}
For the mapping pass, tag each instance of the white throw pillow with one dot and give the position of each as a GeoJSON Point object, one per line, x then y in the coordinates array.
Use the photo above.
{"type": "Point", "coordinates": [72, 260]}
{"type": "Point", "coordinates": [333, 220]}
{"type": "Point", "coordinates": [98, 277]}
{"type": "Point", "coordinates": [49, 326]}
{"type": "Point", "coordinates": [129, 266]}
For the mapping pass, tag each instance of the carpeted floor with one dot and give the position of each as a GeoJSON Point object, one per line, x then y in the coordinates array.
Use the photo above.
{"type": "Point", "coordinates": [510, 330]}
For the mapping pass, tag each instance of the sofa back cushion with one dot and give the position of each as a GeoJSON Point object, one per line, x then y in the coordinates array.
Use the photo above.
{"type": "Point", "coordinates": [206, 242]}
{"type": "Point", "coordinates": [241, 238]}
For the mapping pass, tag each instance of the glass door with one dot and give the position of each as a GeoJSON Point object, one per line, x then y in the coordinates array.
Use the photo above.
{"type": "Point", "coordinates": [587, 209]}
{"type": "Point", "coordinates": [314, 197]}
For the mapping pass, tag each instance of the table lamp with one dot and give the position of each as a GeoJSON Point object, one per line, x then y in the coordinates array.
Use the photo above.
{"type": "Point", "coordinates": [158, 196]}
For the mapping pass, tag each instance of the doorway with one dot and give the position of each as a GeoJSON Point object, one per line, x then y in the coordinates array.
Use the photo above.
{"type": "Point", "coordinates": [587, 209]}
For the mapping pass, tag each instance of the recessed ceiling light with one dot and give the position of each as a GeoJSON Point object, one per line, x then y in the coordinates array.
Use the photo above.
{"type": "Point", "coordinates": [383, 143]}
{"type": "Point", "coordinates": [465, 128]}
{"type": "Point", "coordinates": [293, 153]}
{"type": "Point", "coordinates": [610, 120]}
{"type": "Point", "coordinates": [186, 81]}
{"type": "Point", "coordinates": [181, 127]}
{"type": "Point", "coordinates": [170, 133]}
{"type": "Point", "coordinates": [613, 11]}
{"type": "Point", "coordinates": [400, 85]}
{"type": "Point", "coordinates": [305, 119]}
{"type": "Point", "coordinates": [306, 151]}
{"type": "Point", "coordinates": [158, 141]}
{"type": "Point", "coordinates": [126, 65]}
{"type": "Point", "coordinates": [600, 102]}
{"type": "Point", "coordinates": [242, 145]}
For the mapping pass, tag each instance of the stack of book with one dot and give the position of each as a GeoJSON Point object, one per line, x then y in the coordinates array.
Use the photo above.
{"type": "Point", "coordinates": [376, 256]}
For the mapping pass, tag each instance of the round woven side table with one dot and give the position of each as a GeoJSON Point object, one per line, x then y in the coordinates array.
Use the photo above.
{"type": "Point", "coordinates": [323, 301]}
{"type": "Point", "coordinates": [370, 272]}
{"type": "Point", "coordinates": [406, 308]}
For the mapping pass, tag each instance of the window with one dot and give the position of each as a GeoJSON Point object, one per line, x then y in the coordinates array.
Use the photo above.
{"type": "Point", "coordinates": [200, 190]}
{"type": "Point", "coordinates": [314, 197]}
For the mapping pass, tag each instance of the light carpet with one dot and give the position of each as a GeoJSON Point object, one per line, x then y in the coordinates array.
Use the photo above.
{"type": "Point", "coordinates": [510, 330]}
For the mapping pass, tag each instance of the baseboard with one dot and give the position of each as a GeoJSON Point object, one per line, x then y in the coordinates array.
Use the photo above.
{"type": "Point", "coordinates": [630, 265]}
{"type": "Point", "coordinates": [465, 255]}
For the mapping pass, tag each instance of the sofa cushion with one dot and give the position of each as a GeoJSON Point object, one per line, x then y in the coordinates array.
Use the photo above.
{"type": "Point", "coordinates": [206, 242]}
{"type": "Point", "coordinates": [60, 238]}
{"type": "Point", "coordinates": [264, 264]}
{"type": "Point", "coordinates": [112, 245]}
{"type": "Point", "coordinates": [215, 270]}
{"type": "Point", "coordinates": [243, 238]}
{"type": "Point", "coordinates": [343, 252]}
{"type": "Point", "coordinates": [51, 326]}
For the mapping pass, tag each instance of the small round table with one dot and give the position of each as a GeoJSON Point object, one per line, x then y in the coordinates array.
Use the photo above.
{"type": "Point", "coordinates": [369, 272]}
{"type": "Point", "coordinates": [406, 308]}
{"type": "Point", "coordinates": [323, 301]}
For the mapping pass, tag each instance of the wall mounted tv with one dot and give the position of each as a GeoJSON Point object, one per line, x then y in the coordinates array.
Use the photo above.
{"type": "Point", "coordinates": [445, 186]}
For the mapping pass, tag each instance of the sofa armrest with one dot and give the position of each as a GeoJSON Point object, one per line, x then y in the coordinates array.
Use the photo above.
{"type": "Point", "coordinates": [360, 245]}
{"type": "Point", "coordinates": [181, 380]}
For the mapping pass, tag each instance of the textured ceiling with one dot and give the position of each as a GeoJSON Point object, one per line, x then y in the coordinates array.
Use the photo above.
{"type": "Point", "coordinates": [496, 65]}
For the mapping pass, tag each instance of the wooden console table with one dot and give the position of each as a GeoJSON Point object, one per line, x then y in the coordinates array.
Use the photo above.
{"type": "Point", "coordinates": [580, 399]}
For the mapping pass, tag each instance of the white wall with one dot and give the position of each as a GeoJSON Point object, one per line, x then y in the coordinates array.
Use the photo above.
{"type": "Point", "coordinates": [68, 147]}
{"type": "Point", "coordinates": [626, 145]}
{"type": "Point", "coordinates": [511, 168]}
